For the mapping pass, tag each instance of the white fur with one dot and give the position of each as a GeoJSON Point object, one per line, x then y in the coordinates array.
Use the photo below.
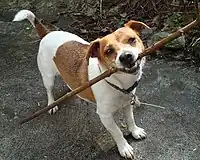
{"type": "Point", "coordinates": [131, 50]}
{"type": "Point", "coordinates": [110, 100]}
{"type": "Point", "coordinates": [25, 14]}
{"type": "Point", "coordinates": [47, 50]}
{"type": "Point", "coordinates": [107, 98]}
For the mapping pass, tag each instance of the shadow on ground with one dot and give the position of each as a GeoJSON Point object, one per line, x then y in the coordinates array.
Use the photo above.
{"type": "Point", "coordinates": [75, 131]}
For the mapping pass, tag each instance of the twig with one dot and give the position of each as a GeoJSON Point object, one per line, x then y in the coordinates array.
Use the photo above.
{"type": "Point", "coordinates": [152, 105]}
{"type": "Point", "coordinates": [100, 8]}
{"type": "Point", "coordinates": [197, 9]}
{"type": "Point", "coordinates": [154, 6]}
{"type": "Point", "coordinates": [107, 73]}
{"type": "Point", "coordinates": [34, 41]}
{"type": "Point", "coordinates": [70, 94]}
{"type": "Point", "coordinates": [31, 42]}
{"type": "Point", "coordinates": [169, 38]}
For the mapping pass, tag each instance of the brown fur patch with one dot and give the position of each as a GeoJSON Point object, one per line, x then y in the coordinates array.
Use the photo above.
{"type": "Point", "coordinates": [72, 64]}
{"type": "Point", "coordinates": [72, 57]}
{"type": "Point", "coordinates": [43, 27]}
{"type": "Point", "coordinates": [115, 41]}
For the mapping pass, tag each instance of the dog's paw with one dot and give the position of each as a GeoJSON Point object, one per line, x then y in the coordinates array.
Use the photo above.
{"type": "Point", "coordinates": [53, 110]}
{"type": "Point", "coordinates": [126, 150]}
{"type": "Point", "coordinates": [138, 133]}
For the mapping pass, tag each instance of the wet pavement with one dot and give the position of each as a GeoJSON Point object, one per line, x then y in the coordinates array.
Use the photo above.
{"type": "Point", "coordinates": [75, 131]}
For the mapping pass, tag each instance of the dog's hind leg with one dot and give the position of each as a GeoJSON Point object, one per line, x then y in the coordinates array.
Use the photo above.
{"type": "Point", "coordinates": [48, 72]}
{"type": "Point", "coordinates": [49, 84]}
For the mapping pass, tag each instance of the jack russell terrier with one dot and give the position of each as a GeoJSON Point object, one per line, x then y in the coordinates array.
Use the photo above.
{"type": "Point", "coordinates": [63, 53]}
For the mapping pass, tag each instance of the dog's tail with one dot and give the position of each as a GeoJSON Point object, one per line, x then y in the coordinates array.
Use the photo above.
{"type": "Point", "coordinates": [26, 14]}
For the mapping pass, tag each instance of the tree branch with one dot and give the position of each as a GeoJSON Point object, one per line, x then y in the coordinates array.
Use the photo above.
{"type": "Point", "coordinates": [109, 72]}
{"type": "Point", "coordinates": [70, 94]}
{"type": "Point", "coordinates": [100, 8]}
{"type": "Point", "coordinates": [197, 9]}
{"type": "Point", "coordinates": [169, 38]}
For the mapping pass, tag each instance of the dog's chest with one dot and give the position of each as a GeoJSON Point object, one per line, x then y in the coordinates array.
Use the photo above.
{"type": "Point", "coordinates": [108, 98]}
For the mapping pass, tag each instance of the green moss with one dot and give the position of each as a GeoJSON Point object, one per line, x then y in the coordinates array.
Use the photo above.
{"type": "Point", "coordinates": [173, 21]}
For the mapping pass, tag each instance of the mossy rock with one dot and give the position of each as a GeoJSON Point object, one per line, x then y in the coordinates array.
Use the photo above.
{"type": "Point", "coordinates": [178, 43]}
{"type": "Point", "coordinates": [195, 47]}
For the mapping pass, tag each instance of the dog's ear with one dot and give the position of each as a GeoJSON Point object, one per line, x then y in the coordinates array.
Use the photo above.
{"type": "Point", "coordinates": [94, 48]}
{"type": "Point", "coordinates": [136, 26]}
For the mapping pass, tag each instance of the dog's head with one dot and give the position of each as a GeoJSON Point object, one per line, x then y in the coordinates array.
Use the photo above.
{"type": "Point", "coordinates": [120, 47]}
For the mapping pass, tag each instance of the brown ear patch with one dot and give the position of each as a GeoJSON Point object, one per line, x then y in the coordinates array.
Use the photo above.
{"type": "Point", "coordinates": [94, 49]}
{"type": "Point", "coordinates": [136, 25]}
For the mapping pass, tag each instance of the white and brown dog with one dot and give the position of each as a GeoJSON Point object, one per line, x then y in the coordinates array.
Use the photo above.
{"type": "Point", "coordinates": [63, 53]}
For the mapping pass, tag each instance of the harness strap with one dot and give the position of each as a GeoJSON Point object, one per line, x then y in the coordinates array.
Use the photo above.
{"type": "Point", "coordinates": [125, 91]}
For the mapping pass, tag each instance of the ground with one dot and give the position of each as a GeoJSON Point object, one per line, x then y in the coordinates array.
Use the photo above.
{"type": "Point", "coordinates": [75, 131]}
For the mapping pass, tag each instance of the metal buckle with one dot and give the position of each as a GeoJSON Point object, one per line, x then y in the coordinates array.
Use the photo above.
{"type": "Point", "coordinates": [133, 99]}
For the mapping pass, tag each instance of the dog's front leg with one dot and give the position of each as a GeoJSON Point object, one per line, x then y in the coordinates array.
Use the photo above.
{"type": "Point", "coordinates": [135, 99]}
{"type": "Point", "coordinates": [124, 148]}
{"type": "Point", "coordinates": [137, 132]}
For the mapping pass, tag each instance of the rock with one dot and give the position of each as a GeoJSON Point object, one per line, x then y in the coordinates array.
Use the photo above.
{"type": "Point", "coordinates": [171, 24]}
{"type": "Point", "coordinates": [196, 47]}
{"type": "Point", "coordinates": [178, 43]}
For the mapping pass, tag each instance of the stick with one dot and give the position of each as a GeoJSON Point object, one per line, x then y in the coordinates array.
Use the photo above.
{"type": "Point", "coordinates": [70, 94]}
{"type": "Point", "coordinates": [169, 38]}
{"type": "Point", "coordinates": [197, 9]}
{"type": "Point", "coordinates": [152, 105]}
{"type": "Point", "coordinates": [100, 8]}
{"type": "Point", "coordinates": [173, 36]}
{"type": "Point", "coordinates": [107, 73]}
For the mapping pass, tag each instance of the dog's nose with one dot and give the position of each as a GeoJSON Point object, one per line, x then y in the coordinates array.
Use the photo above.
{"type": "Point", "coordinates": [126, 59]}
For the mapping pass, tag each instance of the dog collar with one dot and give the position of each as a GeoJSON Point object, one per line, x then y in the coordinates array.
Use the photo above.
{"type": "Point", "coordinates": [125, 91]}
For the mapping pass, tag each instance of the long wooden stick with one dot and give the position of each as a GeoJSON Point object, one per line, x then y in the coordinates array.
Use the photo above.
{"type": "Point", "coordinates": [169, 38]}
{"type": "Point", "coordinates": [70, 94]}
{"type": "Point", "coordinates": [164, 41]}
{"type": "Point", "coordinates": [197, 9]}
{"type": "Point", "coordinates": [107, 73]}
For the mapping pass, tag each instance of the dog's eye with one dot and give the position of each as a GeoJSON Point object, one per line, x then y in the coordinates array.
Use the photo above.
{"type": "Point", "coordinates": [110, 51]}
{"type": "Point", "coordinates": [131, 40]}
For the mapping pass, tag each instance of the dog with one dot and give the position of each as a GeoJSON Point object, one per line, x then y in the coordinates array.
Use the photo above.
{"type": "Point", "coordinates": [78, 61]}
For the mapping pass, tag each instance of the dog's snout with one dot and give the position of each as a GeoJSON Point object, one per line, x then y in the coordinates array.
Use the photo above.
{"type": "Point", "coordinates": [126, 58]}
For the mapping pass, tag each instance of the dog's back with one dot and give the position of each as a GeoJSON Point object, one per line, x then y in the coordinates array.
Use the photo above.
{"type": "Point", "coordinates": [72, 63]}
{"type": "Point", "coordinates": [51, 40]}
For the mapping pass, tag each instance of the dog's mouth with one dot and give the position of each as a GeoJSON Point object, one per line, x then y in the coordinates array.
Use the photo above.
{"type": "Point", "coordinates": [131, 68]}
